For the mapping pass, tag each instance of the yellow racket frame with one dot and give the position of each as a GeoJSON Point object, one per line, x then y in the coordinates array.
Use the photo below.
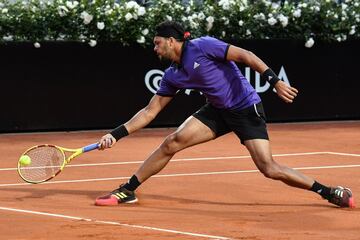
{"type": "Point", "coordinates": [75, 153]}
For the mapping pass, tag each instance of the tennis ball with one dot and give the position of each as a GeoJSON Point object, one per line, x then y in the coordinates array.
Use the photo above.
{"type": "Point", "coordinates": [25, 160]}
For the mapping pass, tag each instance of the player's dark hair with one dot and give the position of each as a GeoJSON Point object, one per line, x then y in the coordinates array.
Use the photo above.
{"type": "Point", "coordinates": [171, 29]}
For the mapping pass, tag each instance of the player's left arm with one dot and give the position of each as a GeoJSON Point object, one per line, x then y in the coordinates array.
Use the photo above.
{"type": "Point", "coordinates": [240, 55]}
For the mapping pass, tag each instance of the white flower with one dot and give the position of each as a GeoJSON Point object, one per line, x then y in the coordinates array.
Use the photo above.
{"type": "Point", "coordinates": [309, 43]}
{"type": "Point", "coordinates": [37, 45]}
{"type": "Point", "coordinates": [338, 39]}
{"type": "Point", "coordinates": [87, 17]}
{"type": "Point", "coordinates": [223, 33]}
{"type": "Point", "coordinates": [131, 4]}
{"type": "Point", "coordinates": [141, 39]}
{"type": "Point", "coordinates": [4, 11]}
{"type": "Point", "coordinates": [201, 16]}
{"type": "Point", "coordinates": [128, 16]}
{"type": "Point", "coordinates": [248, 32]}
{"type": "Point", "coordinates": [267, 3]}
{"type": "Point", "coordinates": [260, 16]}
{"type": "Point", "coordinates": [92, 43]}
{"type": "Point", "coordinates": [241, 8]}
{"type": "Point", "coordinates": [226, 20]}
{"type": "Point", "coordinates": [210, 19]}
{"type": "Point", "coordinates": [193, 24]}
{"type": "Point", "coordinates": [141, 11]}
{"type": "Point", "coordinates": [100, 25]}
{"type": "Point", "coordinates": [352, 31]}
{"type": "Point", "coordinates": [108, 12]}
{"type": "Point", "coordinates": [209, 26]}
{"type": "Point", "coordinates": [272, 21]}
{"type": "Point", "coordinates": [284, 20]}
{"type": "Point", "coordinates": [241, 22]}
{"type": "Point", "coordinates": [145, 31]}
{"type": "Point", "coordinates": [344, 6]}
{"type": "Point", "coordinates": [225, 4]}
{"type": "Point", "coordinates": [169, 18]}
{"type": "Point", "coordinates": [72, 5]}
{"type": "Point", "coordinates": [62, 10]}
{"type": "Point", "coordinates": [61, 37]}
{"type": "Point", "coordinates": [8, 38]}
{"type": "Point", "coordinates": [356, 4]}
{"type": "Point", "coordinates": [275, 5]}
{"type": "Point", "coordinates": [297, 13]}
{"type": "Point", "coordinates": [317, 9]}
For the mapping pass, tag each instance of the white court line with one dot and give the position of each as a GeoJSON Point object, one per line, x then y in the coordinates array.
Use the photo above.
{"type": "Point", "coordinates": [178, 175]}
{"type": "Point", "coordinates": [183, 160]}
{"type": "Point", "coordinates": [114, 223]}
{"type": "Point", "coordinates": [345, 154]}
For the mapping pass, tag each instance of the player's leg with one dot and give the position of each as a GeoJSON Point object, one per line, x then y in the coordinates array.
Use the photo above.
{"type": "Point", "coordinates": [260, 152]}
{"type": "Point", "coordinates": [249, 124]}
{"type": "Point", "coordinates": [190, 133]}
{"type": "Point", "coordinates": [203, 126]}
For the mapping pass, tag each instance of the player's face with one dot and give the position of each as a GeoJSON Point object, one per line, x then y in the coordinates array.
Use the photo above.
{"type": "Point", "coordinates": [162, 48]}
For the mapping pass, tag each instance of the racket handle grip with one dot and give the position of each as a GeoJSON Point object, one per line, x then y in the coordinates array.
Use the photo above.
{"type": "Point", "coordinates": [91, 147]}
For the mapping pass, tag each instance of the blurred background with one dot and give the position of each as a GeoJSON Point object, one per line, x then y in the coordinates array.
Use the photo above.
{"type": "Point", "coordinates": [81, 65]}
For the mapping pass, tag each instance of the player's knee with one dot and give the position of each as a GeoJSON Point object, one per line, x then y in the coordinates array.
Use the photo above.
{"type": "Point", "coordinates": [172, 144]}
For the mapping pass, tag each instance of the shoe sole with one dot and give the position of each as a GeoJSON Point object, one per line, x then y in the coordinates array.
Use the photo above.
{"type": "Point", "coordinates": [114, 203]}
{"type": "Point", "coordinates": [351, 199]}
{"type": "Point", "coordinates": [129, 202]}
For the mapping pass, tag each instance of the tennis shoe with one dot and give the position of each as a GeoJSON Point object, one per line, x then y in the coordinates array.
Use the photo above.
{"type": "Point", "coordinates": [118, 196]}
{"type": "Point", "coordinates": [342, 197]}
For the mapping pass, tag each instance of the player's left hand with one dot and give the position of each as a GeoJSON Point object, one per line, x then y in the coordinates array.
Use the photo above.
{"type": "Point", "coordinates": [286, 92]}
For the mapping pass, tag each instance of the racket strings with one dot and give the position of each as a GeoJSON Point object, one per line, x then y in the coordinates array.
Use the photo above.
{"type": "Point", "coordinates": [46, 162]}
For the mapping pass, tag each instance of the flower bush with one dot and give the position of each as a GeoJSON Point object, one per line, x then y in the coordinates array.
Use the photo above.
{"type": "Point", "coordinates": [127, 22]}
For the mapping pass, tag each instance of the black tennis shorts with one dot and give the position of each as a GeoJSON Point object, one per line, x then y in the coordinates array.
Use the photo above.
{"type": "Point", "coordinates": [247, 124]}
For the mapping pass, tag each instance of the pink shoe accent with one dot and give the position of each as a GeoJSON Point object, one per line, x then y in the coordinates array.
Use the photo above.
{"type": "Point", "coordinates": [109, 201]}
{"type": "Point", "coordinates": [351, 202]}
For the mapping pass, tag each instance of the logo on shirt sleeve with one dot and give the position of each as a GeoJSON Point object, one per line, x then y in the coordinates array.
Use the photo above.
{"type": "Point", "coordinates": [196, 65]}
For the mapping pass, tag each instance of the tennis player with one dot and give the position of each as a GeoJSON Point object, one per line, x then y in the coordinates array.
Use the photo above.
{"type": "Point", "coordinates": [208, 65]}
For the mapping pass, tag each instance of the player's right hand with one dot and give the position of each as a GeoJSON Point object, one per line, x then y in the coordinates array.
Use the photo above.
{"type": "Point", "coordinates": [107, 141]}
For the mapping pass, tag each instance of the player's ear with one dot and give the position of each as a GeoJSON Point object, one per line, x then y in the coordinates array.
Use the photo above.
{"type": "Point", "coordinates": [171, 41]}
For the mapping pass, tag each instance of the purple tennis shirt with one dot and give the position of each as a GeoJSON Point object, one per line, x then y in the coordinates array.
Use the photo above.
{"type": "Point", "coordinates": [204, 68]}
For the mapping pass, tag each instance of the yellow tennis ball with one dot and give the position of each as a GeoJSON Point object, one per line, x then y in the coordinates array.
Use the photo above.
{"type": "Point", "coordinates": [25, 160]}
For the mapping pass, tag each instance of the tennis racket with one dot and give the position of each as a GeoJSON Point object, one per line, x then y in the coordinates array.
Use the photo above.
{"type": "Point", "coordinates": [46, 161]}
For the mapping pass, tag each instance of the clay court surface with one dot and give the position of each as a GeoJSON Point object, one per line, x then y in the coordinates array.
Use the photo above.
{"type": "Point", "coordinates": [210, 191]}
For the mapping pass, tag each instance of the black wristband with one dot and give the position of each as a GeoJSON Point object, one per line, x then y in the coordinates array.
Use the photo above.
{"type": "Point", "coordinates": [119, 132]}
{"type": "Point", "coordinates": [270, 76]}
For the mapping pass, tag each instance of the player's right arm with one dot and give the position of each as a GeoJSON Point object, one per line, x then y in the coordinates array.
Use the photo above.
{"type": "Point", "coordinates": [139, 120]}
